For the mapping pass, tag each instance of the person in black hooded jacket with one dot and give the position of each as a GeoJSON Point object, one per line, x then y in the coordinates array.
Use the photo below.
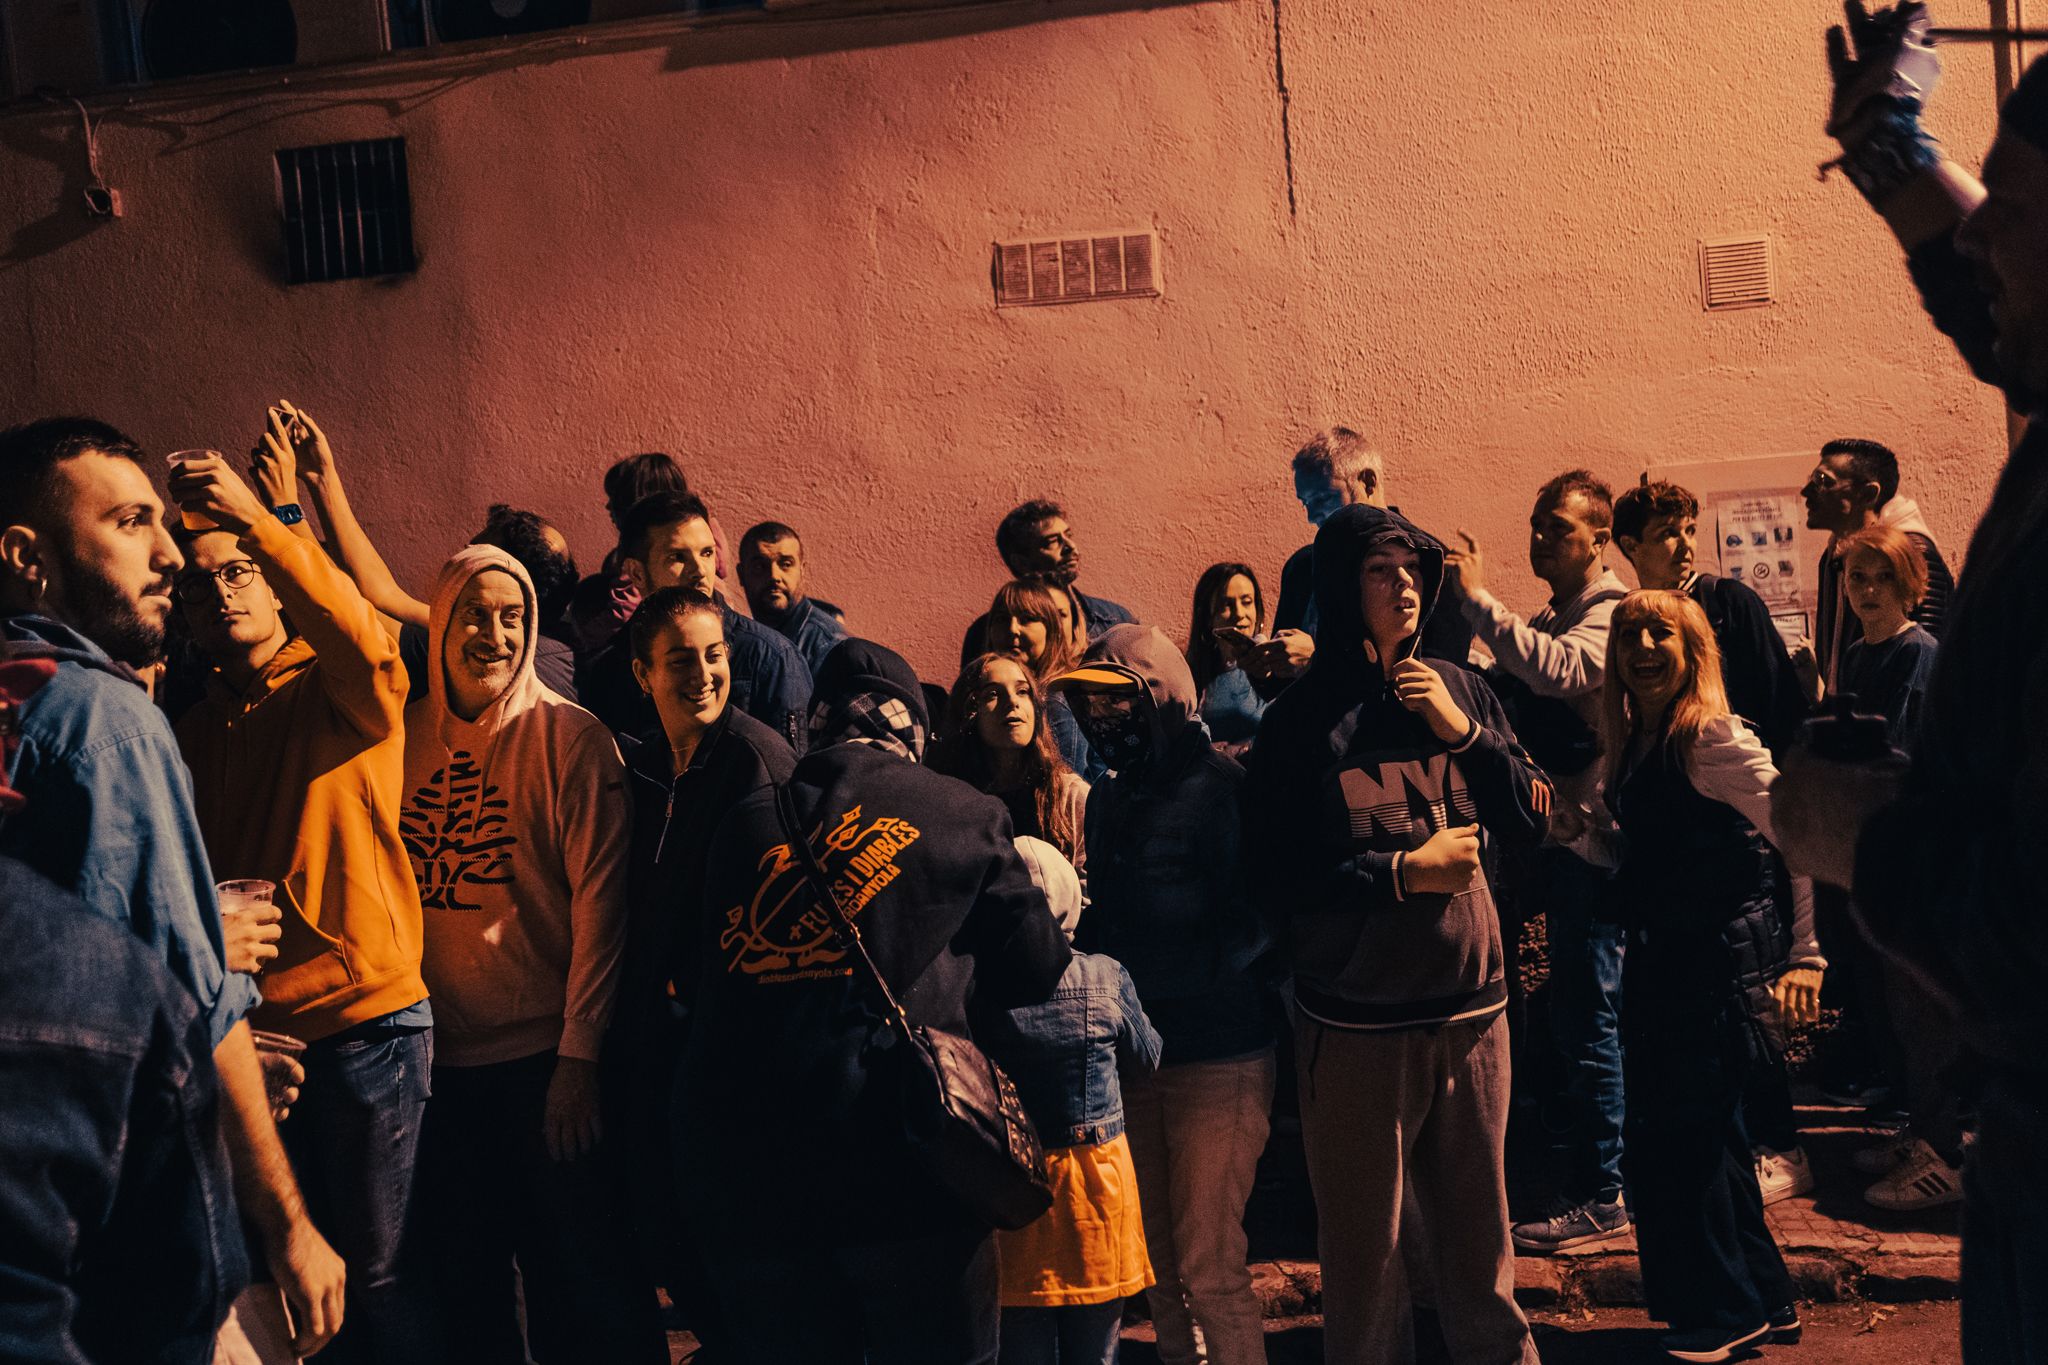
{"type": "Point", "coordinates": [1373, 783]}
{"type": "Point", "coordinates": [824, 1235]}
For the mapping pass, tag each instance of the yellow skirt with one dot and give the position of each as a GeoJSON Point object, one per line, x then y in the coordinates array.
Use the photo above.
{"type": "Point", "coordinates": [1090, 1245]}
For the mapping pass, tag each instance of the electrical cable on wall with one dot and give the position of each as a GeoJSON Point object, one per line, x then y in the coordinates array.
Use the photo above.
{"type": "Point", "coordinates": [101, 199]}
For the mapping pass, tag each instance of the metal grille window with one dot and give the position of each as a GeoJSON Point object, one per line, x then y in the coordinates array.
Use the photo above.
{"type": "Point", "coordinates": [347, 211]}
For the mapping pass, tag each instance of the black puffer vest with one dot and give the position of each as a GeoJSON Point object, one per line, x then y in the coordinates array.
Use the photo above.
{"type": "Point", "coordinates": [1703, 896]}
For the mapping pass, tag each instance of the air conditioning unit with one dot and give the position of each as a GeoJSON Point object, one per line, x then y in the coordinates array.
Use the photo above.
{"type": "Point", "coordinates": [460, 20]}
{"type": "Point", "coordinates": [85, 45]}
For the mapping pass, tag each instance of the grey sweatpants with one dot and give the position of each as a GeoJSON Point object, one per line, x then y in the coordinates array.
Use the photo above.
{"type": "Point", "coordinates": [1427, 1108]}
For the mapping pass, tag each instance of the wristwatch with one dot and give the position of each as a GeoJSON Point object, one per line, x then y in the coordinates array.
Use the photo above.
{"type": "Point", "coordinates": [290, 513]}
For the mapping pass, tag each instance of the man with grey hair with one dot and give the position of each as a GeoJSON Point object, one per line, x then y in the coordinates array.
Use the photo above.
{"type": "Point", "coordinates": [1337, 467]}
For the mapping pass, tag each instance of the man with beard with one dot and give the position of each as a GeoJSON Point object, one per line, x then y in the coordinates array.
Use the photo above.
{"type": "Point", "coordinates": [85, 580]}
{"type": "Point", "coordinates": [772, 573]}
{"type": "Point", "coordinates": [1946, 861]}
{"type": "Point", "coordinates": [1036, 543]}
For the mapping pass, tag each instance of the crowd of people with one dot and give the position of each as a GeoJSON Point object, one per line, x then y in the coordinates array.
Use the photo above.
{"type": "Point", "coordinates": [462, 968]}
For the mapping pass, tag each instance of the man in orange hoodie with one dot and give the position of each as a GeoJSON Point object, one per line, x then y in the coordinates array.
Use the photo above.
{"type": "Point", "coordinates": [298, 755]}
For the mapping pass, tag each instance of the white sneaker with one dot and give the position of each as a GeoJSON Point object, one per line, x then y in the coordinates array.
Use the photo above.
{"type": "Point", "coordinates": [1882, 1158]}
{"type": "Point", "coordinates": [1780, 1175]}
{"type": "Point", "coordinates": [1922, 1181]}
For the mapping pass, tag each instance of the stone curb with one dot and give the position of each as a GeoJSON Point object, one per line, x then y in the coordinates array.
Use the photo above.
{"type": "Point", "coordinates": [1294, 1289]}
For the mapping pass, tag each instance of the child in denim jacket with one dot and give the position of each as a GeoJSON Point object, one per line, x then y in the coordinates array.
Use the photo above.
{"type": "Point", "coordinates": [1065, 1277]}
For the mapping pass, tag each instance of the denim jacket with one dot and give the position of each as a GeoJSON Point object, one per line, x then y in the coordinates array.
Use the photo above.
{"type": "Point", "coordinates": [110, 815]}
{"type": "Point", "coordinates": [118, 1235]}
{"type": "Point", "coordinates": [1064, 1055]}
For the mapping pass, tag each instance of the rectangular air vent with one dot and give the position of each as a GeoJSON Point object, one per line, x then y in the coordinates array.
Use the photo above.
{"type": "Point", "coordinates": [1737, 272]}
{"type": "Point", "coordinates": [347, 210]}
{"type": "Point", "coordinates": [1075, 268]}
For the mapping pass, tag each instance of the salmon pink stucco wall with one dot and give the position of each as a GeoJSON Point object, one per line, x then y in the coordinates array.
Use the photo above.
{"type": "Point", "coordinates": [766, 249]}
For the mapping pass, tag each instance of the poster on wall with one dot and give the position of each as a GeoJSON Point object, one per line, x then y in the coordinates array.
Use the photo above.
{"type": "Point", "coordinates": [1757, 535]}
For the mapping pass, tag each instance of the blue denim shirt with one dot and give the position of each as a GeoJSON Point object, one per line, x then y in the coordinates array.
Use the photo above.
{"type": "Point", "coordinates": [110, 816]}
{"type": "Point", "coordinates": [814, 631]}
{"type": "Point", "coordinates": [117, 1220]}
{"type": "Point", "coordinates": [1064, 1055]}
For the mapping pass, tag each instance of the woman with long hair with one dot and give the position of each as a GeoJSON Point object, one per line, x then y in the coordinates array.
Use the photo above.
{"type": "Point", "coordinates": [1689, 785]}
{"type": "Point", "coordinates": [995, 738]}
{"type": "Point", "coordinates": [1036, 623]}
{"type": "Point", "coordinates": [1229, 618]}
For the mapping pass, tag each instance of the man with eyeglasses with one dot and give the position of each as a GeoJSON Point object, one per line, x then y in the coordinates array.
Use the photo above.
{"type": "Point", "coordinates": [298, 759]}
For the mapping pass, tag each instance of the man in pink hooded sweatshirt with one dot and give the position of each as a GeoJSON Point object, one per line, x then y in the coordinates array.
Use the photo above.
{"type": "Point", "coordinates": [517, 822]}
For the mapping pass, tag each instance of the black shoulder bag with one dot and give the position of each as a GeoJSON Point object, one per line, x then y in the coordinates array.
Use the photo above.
{"type": "Point", "coordinates": [960, 1112]}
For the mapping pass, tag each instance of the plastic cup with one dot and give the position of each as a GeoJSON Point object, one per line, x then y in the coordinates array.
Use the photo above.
{"type": "Point", "coordinates": [276, 1082]}
{"type": "Point", "coordinates": [245, 896]}
{"type": "Point", "coordinates": [194, 521]}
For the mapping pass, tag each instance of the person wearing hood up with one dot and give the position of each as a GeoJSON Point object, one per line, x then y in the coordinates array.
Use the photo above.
{"type": "Point", "coordinates": [1170, 902]}
{"type": "Point", "coordinates": [517, 821]}
{"type": "Point", "coordinates": [1854, 485]}
{"type": "Point", "coordinates": [825, 1235]}
{"type": "Point", "coordinates": [1374, 783]}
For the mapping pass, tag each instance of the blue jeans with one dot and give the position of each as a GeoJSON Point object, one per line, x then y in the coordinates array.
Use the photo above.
{"type": "Point", "coordinates": [1072, 1334]}
{"type": "Point", "coordinates": [1578, 901]}
{"type": "Point", "coordinates": [353, 1137]}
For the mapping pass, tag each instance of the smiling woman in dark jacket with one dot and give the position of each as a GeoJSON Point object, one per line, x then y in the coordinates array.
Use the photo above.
{"type": "Point", "coordinates": [1690, 787]}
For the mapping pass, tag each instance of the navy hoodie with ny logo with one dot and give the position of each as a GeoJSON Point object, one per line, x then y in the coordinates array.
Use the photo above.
{"type": "Point", "coordinates": [1343, 780]}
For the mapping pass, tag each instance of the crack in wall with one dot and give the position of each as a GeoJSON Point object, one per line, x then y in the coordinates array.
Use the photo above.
{"type": "Point", "coordinates": [1286, 129]}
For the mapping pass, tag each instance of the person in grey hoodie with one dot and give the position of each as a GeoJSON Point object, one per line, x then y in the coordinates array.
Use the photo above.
{"type": "Point", "coordinates": [1374, 784]}
{"type": "Point", "coordinates": [1170, 902]}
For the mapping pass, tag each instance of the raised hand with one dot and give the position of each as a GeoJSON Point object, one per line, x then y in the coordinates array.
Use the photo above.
{"type": "Point", "coordinates": [1465, 570]}
{"type": "Point", "coordinates": [206, 485]}
{"type": "Point", "coordinates": [1883, 54]}
{"type": "Point", "coordinates": [308, 443]}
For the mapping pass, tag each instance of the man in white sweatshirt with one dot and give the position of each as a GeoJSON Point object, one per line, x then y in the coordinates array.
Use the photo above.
{"type": "Point", "coordinates": [1550, 671]}
{"type": "Point", "coordinates": [516, 818]}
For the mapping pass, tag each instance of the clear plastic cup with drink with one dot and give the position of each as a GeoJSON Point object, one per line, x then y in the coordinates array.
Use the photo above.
{"type": "Point", "coordinates": [194, 521]}
{"type": "Point", "coordinates": [245, 896]}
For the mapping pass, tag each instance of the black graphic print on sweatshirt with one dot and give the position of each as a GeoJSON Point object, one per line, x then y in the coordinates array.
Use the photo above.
{"type": "Point", "coordinates": [455, 828]}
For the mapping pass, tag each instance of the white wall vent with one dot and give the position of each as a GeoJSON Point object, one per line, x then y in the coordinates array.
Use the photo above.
{"type": "Point", "coordinates": [1073, 269]}
{"type": "Point", "coordinates": [1737, 272]}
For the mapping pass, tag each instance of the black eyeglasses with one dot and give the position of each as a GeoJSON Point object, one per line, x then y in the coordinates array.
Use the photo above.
{"type": "Point", "coordinates": [194, 589]}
